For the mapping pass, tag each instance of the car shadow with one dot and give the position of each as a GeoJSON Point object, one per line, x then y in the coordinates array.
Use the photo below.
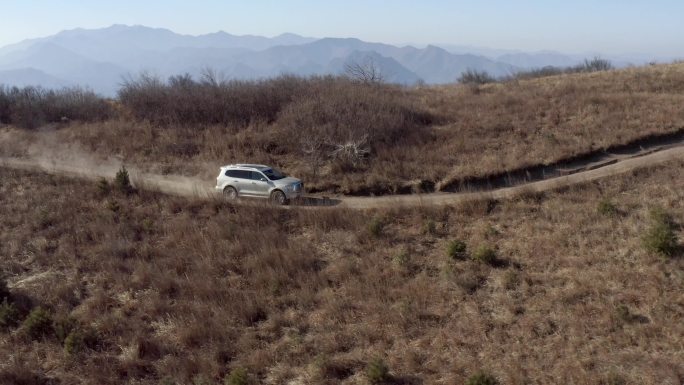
{"type": "Point", "coordinates": [315, 201]}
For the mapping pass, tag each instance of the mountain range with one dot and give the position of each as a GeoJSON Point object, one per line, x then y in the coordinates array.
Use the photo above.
{"type": "Point", "coordinates": [101, 58]}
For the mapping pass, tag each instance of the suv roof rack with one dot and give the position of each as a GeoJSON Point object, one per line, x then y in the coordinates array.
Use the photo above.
{"type": "Point", "coordinates": [247, 165]}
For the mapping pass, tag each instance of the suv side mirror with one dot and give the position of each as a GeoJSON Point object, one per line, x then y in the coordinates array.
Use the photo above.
{"type": "Point", "coordinates": [263, 179]}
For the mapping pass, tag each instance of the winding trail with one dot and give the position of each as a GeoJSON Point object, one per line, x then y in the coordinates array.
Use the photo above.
{"type": "Point", "coordinates": [88, 167]}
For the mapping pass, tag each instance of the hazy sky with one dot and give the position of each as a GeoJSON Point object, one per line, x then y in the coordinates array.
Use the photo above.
{"type": "Point", "coordinates": [607, 26]}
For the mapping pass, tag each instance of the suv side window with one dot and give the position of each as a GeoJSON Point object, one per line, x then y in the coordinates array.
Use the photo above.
{"type": "Point", "coordinates": [241, 174]}
{"type": "Point", "coordinates": [257, 175]}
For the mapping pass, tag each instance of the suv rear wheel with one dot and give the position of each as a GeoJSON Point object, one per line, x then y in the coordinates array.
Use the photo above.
{"type": "Point", "coordinates": [230, 193]}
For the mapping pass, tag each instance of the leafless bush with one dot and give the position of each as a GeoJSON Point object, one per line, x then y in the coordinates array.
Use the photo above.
{"type": "Point", "coordinates": [475, 77]}
{"type": "Point", "coordinates": [30, 107]}
{"type": "Point", "coordinates": [337, 111]}
{"type": "Point", "coordinates": [366, 71]}
{"type": "Point", "coordinates": [352, 151]}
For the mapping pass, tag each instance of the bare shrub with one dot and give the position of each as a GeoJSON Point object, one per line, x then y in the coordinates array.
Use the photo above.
{"type": "Point", "coordinates": [31, 107]}
{"type": "Point", "coordinates": [340, 119]}
{"type": "Point", "coordinates": [475, 77]}
{"type": "Point", "coordinates": [594, 65]}
{"type": "Point", "coordinates": [365, 71]}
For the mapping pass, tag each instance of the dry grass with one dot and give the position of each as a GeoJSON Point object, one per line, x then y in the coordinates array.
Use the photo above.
{"type": "Point", "coordinates": [182, 291]}
{"type": "Point", "coordinates": [435, 134]}
{"type": "Point", "coordinates": [518, 124]}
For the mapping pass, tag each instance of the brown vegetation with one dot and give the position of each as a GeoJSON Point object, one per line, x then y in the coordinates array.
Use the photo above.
{"type": "Point", "coordinates": [115, 287]}
{"type": "Point", "coordinates": [349, 137]}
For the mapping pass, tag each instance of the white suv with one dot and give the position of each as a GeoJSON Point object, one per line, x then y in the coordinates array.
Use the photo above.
{"type": "Point", "coordinates": [257, 180]}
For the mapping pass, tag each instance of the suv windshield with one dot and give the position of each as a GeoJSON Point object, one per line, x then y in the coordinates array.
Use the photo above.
{"type": "Point", "coordinates": [273, 174]}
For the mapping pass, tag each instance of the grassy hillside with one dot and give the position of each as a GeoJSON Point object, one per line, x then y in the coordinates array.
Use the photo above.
{"type": "Point", "coordinates": [107, 287]}
{"type": "Point", "coordinates": [312, 127]}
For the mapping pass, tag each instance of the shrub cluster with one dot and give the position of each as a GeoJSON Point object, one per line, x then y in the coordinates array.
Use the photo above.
{"type": "Point", "coordinates": [31, 107]}
{"type": "Point", "coordinates": [38, 324]}
{"type": "Point", "coordinates": [186, 101]}
{"type": "Point", "coordinates": [596, 64]}
{"type": "Point", "coordinates": [474, 77]}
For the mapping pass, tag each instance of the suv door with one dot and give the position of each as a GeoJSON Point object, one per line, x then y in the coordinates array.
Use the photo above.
{"type": "Point", "coordinates": [260, 184]}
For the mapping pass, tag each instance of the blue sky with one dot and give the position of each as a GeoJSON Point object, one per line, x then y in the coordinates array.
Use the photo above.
{"type": "Point", "coordinates": [606, 26]}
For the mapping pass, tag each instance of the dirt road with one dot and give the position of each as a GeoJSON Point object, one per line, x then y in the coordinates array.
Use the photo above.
{"type": "Point", "coordinates": [88, 167]}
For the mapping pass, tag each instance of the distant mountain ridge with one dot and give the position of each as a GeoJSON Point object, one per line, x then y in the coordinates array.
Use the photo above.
{"type": "Point", "coordinates": [101, 58]}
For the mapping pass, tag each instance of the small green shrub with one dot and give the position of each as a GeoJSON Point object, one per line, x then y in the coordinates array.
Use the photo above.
{"type": "Point", "coordinates": [9, 315]}
{"type": "Point", "coordinates": [103, 187]}
{"type": "Point", "coordinates": [660, 237]}
{"type": "Point", "coordinates": [167, 381]}
{"type": "Point", "coordinates": [375, 227]}
{"type": "Point", "coordinates": [613, 379]}
{"type": "Point", "coordinates": [485, 255]}
{"type": "Point", "coordinates": [80, 338]}
{"type": "Point", "coordinates": [607, 208]}
{"type": "Point", "coordinates": [147, 225]}
{"type": "Point", "coordinates": [38, 324]}
{"type": "Point", "coordinates": [456, 249]}
{"type": "Point", "coordinates": [490, 231]}
{"type": "Point", "coordinates": [377, 371]}
{"type": "Point", "coordinates": [403, 259]}
{"type": "Point", "coordinates": [45, 219]}
{"type": "Point", "coordinates": [482, 378]}
{"type": "Point", "coordinates": [122, 181]}
{"type": "Point", "coordinates": [623, 314]}
{"type": "Point", "coordinates": [237, 376]}
{"type": "Point", "coordinates": [430, 227]}
{"type": "Point", "coordinates": [4, 290]}
{"type": "Point", "coordinates": [511, 279]}
{"type": "Point", "coordinates": [63, 326]}
{"type": "Point", "coordinates": [113, 206]}
{"type": "Point", "coordinates": [74, 342]}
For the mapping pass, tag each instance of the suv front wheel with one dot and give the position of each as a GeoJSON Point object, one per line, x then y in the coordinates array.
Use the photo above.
{"type": "Point", "coordinates": [278, 197]}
